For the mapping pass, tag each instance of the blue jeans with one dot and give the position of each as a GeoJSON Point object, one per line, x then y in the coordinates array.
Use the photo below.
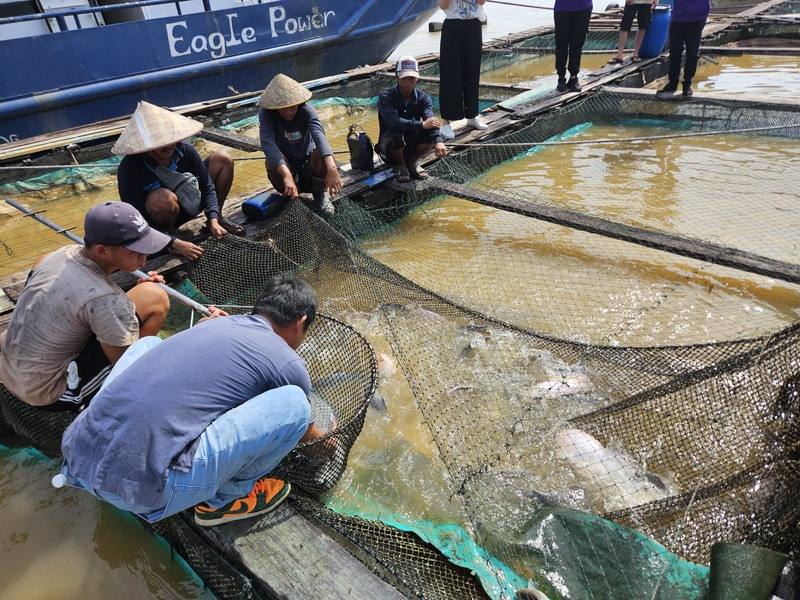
{"type": "Point", "coordinates": [240, 447]}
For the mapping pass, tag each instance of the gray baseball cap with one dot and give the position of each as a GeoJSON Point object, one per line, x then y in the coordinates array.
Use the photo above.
{"type": "Point", "coordinates": [120, 224]}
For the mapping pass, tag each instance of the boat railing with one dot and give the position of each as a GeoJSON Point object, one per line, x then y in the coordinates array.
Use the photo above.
{"type": "Point", "coordinates": [60, 16]}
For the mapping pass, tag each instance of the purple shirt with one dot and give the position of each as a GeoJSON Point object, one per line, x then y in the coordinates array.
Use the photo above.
{"type": "Point", "coordinates": [690, 11]}
{"type": "Point", "coordinates": [572, 5]}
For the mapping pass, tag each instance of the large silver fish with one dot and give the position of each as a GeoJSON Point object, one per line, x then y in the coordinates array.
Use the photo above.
{"type": "Point", "coordinates": [608, 475]}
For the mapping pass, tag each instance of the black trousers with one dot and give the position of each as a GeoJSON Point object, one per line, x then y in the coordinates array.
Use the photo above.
{"type": "Point", "coordinates": [571, 29]}
{"type": "Point", "coordinates": [460, 68]}
{"type": "Point", "coordinates": [680, 35]}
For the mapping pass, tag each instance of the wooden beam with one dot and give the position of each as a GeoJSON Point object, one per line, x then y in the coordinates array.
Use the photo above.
{"type": "Point", "coordinates": [788, 104]}
{"type": "Point", "coordinates": [230, 139]}
{"type": "Point", "coordinates": [754, 50]}
{"type": "Point", "coordinates": [697, 249]}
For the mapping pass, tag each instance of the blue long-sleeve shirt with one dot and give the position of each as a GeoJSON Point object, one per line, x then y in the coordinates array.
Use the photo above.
{"type": "Point", "coordinates": [690, 11]}
{"type": "Point", "coordinates": [395, 114]}
{"type": "Point", "coordinates": [291, 141]}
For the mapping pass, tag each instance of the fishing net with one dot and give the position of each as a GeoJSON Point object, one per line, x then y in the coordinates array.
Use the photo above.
{"type": "Point", "coordinates": [574, 408]}
{"type": "Point", "coordinates": [561, 372]}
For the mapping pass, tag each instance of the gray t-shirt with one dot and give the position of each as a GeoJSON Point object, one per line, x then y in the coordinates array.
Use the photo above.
{"type": "Point", "coordinates": [150, 417]}
{"type": "Point", "coordinates": [66, 300]}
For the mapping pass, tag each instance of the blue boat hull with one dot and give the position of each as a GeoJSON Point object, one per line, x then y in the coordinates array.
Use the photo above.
{"type": "Point", "coordinates": [72, 78]}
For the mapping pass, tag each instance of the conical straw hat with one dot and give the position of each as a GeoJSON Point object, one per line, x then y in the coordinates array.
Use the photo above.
{"type": "Point", "coordinates": [282, 92]}
{"type": "Point", "coordinates": [152, 127]}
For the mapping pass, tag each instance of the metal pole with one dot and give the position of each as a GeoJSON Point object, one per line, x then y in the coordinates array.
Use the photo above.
{"type": "Point", "coordinates": [140, 274]}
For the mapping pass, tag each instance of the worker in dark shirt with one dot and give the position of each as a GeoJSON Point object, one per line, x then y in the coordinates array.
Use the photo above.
{"type": "Point", "coordinates": [408, 129]}
{"type": "Point", "coordinates": [686, 26]}
{"type": "Point", "coordinates": [167, 181]}
{"type": "Point", "coordinates": [298, 155]}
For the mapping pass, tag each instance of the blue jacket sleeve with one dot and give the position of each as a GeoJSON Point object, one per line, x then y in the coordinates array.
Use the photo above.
{"type": "Point", "coordinates": [427, 112]}
{"type": "Point", "coordinates": [394, 122]}
{"type": "Point", "coordinates": [269, 144]}
{"type": "Point", "coordinates": [317, 131]}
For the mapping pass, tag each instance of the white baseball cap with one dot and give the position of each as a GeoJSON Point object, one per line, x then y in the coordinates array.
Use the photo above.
{"type": "Point", "coordinates": [407, 65]}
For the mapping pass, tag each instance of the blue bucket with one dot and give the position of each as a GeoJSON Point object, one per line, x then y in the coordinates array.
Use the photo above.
{"type": "Point", "coordinates": [655, 39]}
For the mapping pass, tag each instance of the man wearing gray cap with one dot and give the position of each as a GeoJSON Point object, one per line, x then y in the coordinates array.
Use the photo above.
{"type": "Point", "coordinates": [72, 321]}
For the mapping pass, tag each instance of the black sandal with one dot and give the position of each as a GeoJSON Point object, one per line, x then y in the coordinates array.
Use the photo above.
{"type": "Point", "coordinates": [616, 61]}
{"type": "Point", "coordinates": [231, 228]}
{"type": "Point", "coordinates": [403, 175]}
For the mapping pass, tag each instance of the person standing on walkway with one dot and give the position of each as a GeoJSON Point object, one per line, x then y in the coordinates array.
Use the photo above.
{"type": "Point", "coordinates": [572, 23]}
{"type": "Point", "coordinates": [685, 29]}
{"type": "Point", "coordinates": [460, 64]}
{"type": "Point", "coordinates": [643, 11]}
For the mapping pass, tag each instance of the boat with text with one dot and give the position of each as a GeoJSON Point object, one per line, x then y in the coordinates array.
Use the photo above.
{"type": "Point", "coordinates": [72, 62]}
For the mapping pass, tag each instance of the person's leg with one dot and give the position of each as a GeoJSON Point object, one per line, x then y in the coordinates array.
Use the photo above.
{"type": "Point", "coordinates": [643, 17]}
{"type": "Point", "coordinates": [134, 351]}
{"type": "Point", "coordinates": [311, 177]}
{"type": "Point", "coordinates": [579, 27]}
{"type": "Point", "coordinates": [451, 70]}
{"type": "Point", "coordinates": [162, 209]}
{"type": "Point", "coordinates": [239, 448]}
{"type": "Point", "coordinates": [276, 179]}
{"type": "Point", "coordinates": [152, 306]}
{"type": "Point", "coordinates": [624, 30]}
{"type": "Point", "coordinates": [85, 376]}
{"type": "Point", "coordinates": [694, 33]}
{"type": "Point", "coordinates": [473, 44]}
{"type": "Point", "coordinates": [561, 19]}
{"type": "Point", "coordinates": [676, 37]}
{"type": "Point", "coordinates": [220, 168]}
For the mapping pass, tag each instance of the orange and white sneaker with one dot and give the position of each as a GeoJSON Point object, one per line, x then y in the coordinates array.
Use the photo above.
{"type": "Point", "coordinates": [267, 493]}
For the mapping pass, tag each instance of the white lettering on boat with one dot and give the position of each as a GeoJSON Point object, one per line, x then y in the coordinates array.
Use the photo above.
{"type": "Point", "coordinates": [216, 43]}
{"type": "Point", "coordinates": [13, 137]}
{"type": "Point", "coordinates": [278, 23]}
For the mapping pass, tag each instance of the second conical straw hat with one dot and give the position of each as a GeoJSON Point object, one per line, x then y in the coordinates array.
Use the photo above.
{"type": "Point", "coordinates": [282, 92]}
{"type": "Point", "coordinates": [152, 127]}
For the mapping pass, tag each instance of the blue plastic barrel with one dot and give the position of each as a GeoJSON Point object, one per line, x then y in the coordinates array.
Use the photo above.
{"type": "Point", "coordinates": [655, 39]}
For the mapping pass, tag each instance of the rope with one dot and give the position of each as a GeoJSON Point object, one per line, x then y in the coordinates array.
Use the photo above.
{"type": "Point", "coordinates": [486, 145]}
{"type": "Point", "coordinates": [620, 140]}
{"type": "Point", "coordinates": [104, 166]}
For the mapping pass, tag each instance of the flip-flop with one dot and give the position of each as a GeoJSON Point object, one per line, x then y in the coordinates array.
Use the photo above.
{"type": "Point", "coordinates": [403, 175]}
{"type": "Point", "coordinates": [419, 173]}
{"type": "Point", "coordinates": [615, 61]}
{"type": "Point", "coordinates": [231, 228]}
{"type": "Point", "coordinates": [636, 59]}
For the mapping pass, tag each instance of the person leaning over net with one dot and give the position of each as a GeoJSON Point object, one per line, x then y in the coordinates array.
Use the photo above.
{"type": "Point", "coordinates": [571, 18]}
{"type": "Point", "coordinates": [643, 11]}
{"type": "Point", "coordinates": [165, 178]}
{"type": "Point", "coordinates": [298, 155]}
{"type": "Point", "coordinates": [408, 129]}
{"type": "Point", "coordinates": [72, 322]}
{"type": "Point", "coordinates": [460, 64]}
{"type": "Point", "coordinates": [685, 29]}
{"type": "Point", "coordinates": [160, 438]}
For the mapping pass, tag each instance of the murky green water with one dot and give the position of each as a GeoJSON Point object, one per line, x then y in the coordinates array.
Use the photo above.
{"type": "Point", "coordinates": [754, 76]}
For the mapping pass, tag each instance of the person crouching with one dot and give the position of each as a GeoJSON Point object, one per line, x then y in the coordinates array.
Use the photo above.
{"type": "Point", "coordinates": [298, 155]}
{"type": "Point", "coordinates": [408, 129]}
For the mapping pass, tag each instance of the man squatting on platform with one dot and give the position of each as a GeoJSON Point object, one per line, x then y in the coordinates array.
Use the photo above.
{"type": "Point", "coordinates": [298, 155]}
{"type": "Point", "coordinates": [160, 438]}
{"type": "Point", "coordinates": [408, 129]}
{"type": "Point", "coordinates": [166, 180]}
{"type": "Point", "coordinates": [72, 322]}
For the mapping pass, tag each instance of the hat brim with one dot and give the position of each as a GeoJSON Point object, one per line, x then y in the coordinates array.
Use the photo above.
{"type": "Point", "coordinates": [401, 74]}
{"type": "Point", "coordinates": [153, 241]}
